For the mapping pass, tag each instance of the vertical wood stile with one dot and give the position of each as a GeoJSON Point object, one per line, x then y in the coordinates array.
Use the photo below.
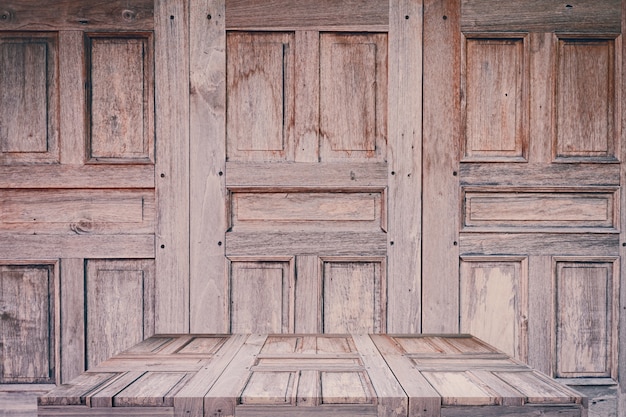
{"type": "Point", "coordinates": [621, 353]}
{"type": "Point", "coordinates": [441, 118]}
{"type": "Point", "coordinates": [541, 97]}
{"type": "Point", "coordinates": [405, 170]}
{"type": "Point", "coordinates": [72, 91]}
{"type": "Point", "coordinates": [307, 294]}
{"type": "Point", "coordinates": [172, 165]}
{"type": "Point", "coordinates": [540, 313]}
{"type": "Point", "coordinates": [207, 39]}
{"type": "Point", "coordinates": [307, 107]}
{"type": "Point", "coordinates": [72, 319]}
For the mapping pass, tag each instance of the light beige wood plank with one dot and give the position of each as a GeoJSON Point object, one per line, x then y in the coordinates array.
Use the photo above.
{"type": "Point", "coordinates": [74, 393]}
{"type": "Point", "coordinates": [270, 388]}
{"type": "Point", "coordinates": [104, 396]}
{"type": "Point", "coordinates": [540, 313]}
{"type": "Point", "coordinates": [539, 174]}
{"type": "Point", "coordinates": [71, 14]}
{"type": "Point", "coordinates": [307, 295]}
{"type": "Point", "coordinates": [72, 318]}
{"type": "Point", "coordinates": [308, 389]}
{"type": "Point", "coordinates": [405, 169]}
{"type": "Point", "coordinates": [392, 398]}
{"type": "Point", "coordinates": [440, 183]}
{"type": "Point", "coordinates": [539, 389]}
{"type": "Point", "coordinates": [307, 106]}
{"type": "Point", "coordinates": [343, 410]}
{"type": "Point", "coordinates": [304, 14]}
{"type": "Point", "coordinates": [225, 391]}
{"type": "Point", "coordinates": [294, 176]}
{"type": "Point", "coordinates": [424, 401]}
{"type": "Point", "coordinates": [508, 395]}
{"type": "Point", "coordinates": [540, 244]}
{"type": "Point", "coordinates": [76, 246]}
{"type": "Point", "coordinates": [345, 388]}
{"type": "Point", "coordinates": [259, 244]}
{"type": "Point", "coordinates": [207, 43]}
{"type": "Point", "coordinates": [172, 168]}
{"type": "Point", "coordinates": [541, 16]}
{"type": "Point", "coordinates": [68, 176]}
{"type": "Point", "coordinates": [53, 411]}
{"type": "Point", "coordinates": [458, 388]}
{"type": "Point", "coordinates": [72, 97]}
{"type": "Point", "coordinates": [542, 56]}
{"type": "Point", "coordinates": [151, 389]}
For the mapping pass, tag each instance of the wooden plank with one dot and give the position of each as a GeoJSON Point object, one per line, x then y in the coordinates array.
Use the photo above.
{"type": "Point", "coordinates": [150, 390]}
{"type": "Point", "coordinates": [172, 109]}
{"type": "Point", "coordinates": [458, 388]}
{"type": "Point", "coordinates": [207, 43]}
{"type": "Point", "coordinates": [540, 313]}
{"type": "Point", "coordinates": [20, 400]}
{"type": "Point", "coordinates": [392, 400]}
{"type": "Point", "coordinates": [76, 246]}
{"type": "Point", "coordinates": [538, 175]}
{"type": "Point", "coordinates": [287, 176]}
{"type": "Point", "coordinates": [508, 395]}
{"type": "Point", "coordinates": [307, 295]}
{"type": "Point", "coordinates": [222, 397]}
{"type": "Point", "coordinates": [72, 14]}
{"type": "Point", "coordinates": [72, 97]}
{"type": "Point", "coordinates": [76, 392]}
{"type": "Point", "coordinates": [496, 411]}
{"type": "Point", "coordinates": [306, 117]}
{"type": "Point", "coordinates": [306, 15]}
{"type": "Point", "coordinates": [104, 396]}
{"type": "Point", "coordinates": [405, 170]}
{"type": "Point", "coordinates": [542, 57]}
{"type": "Point", "coordinates": [539, 389]}
{"type": "Point", "coordinates": [540, 244]}
{"type": "Point", "coordinates": [424, 401]}
{"type": "Point", "coordinates": [306, 243]}
{"type": "Point", "coordinates": [441, 205]}
{"type": "Point", "coordinates": [74, 176]}
{"type": "Point", "coordinates": [343, 410]}
{"type": "Point", "coordinates": [190, 399]}
{"type": "Point", "coordinates": [72, 318]}
{"type": "Point", "coordinates": [541, 16]}
{"type": "Point", "coordinates": [80, 411]}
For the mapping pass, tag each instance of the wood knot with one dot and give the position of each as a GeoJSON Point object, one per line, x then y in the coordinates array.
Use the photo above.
{"type": "Point", "coordinates": [129, 15]}
{"type": "Point", "coordinates": [5, 16]}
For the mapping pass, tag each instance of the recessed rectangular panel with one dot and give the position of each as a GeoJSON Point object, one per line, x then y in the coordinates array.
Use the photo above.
{"type": "Point", "coordinates": [493, 302]}
{"type": "Point", "coordinates": [28, 98]}
{"type": "Point", "coordinates": [259, 95]}
{"type": "Point", "coordinates": [27, 342]}
{"type": "Point", "coordinates": [527, 210]}
{"type": "Point", "coordinates": [353, 95]}
{"type": "Point", "coordinates": [346, 388]}
{"type": "Point", "coordinates": [494, 105]}
{"type": "Point", "coordinates": [121, 98]}
{"type": "Point", "coordinates": [354, 297]}
{"type": "Point", "coordinates": [584, 318]}
{"type": "Point", "coordinates": [314, 210]}
{"type": "Point", "coordinates": [270, 388]}
{"type": "Point", "coordinates": [260, 297]}
{"type": "Point", "coordinates": [119, 306]}
{"type": "Point", "coordinates": [585, 120]}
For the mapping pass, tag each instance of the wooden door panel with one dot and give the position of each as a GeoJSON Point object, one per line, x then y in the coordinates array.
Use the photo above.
{"type": "Point", "coordinates": [29, 94]}
{"type": "Point", "coordinates": [27, 309]}
{"type": "Point", "coordinates": [538, 178]}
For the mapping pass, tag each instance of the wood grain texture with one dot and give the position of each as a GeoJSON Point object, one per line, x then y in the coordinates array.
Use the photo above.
{"type": "Point", "coordinates": [307, 107]}
{"type": "Point", "coordinates": [73, 352]}
{"type": "Point", "coordinates": [441, 118]}
{"type": "Point", "coordinates": [585, 103]}
{"type": "Point", "coordinates": [29, 97]}
{"type": "Point", "coordinates": [172, 165]}
{"type": "Point", "coordinates": [540, 314]}
{"type": "Point", "coordinates": [121, 99]}
{"type": "Point", "coordinates": [541, 63]}
{"type": "Point", "coordinates": [304, 14]}
{"type": "Point", "coordinates": [27, 333]}
{"type": "Point", "coordinates": [72, 97]}
{"type": "Point", "coordinates": [119, 306]}
{"type": "Point", "coordinates": [621, 314]}
{"type": "Point", "coordinates": [405, 168]}
{"type": "Point", "coordinates": [307, 294]}
{"type": "Point", "coordinates": [81, 15]}
{"type": "Point", "coordinates": [542, 16]}
{"type": "Point", "coordinates": [207, 117]}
